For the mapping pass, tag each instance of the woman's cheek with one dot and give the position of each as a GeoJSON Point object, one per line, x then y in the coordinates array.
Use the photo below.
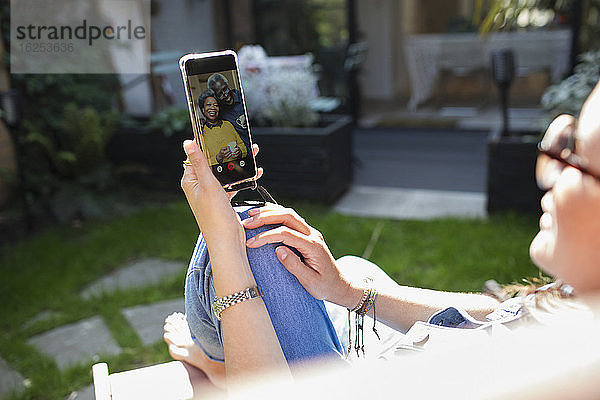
{"type": "Point", "coordinates": [577, 228]}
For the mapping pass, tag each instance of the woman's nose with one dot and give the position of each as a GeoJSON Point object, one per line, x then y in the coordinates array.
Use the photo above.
{"type": "Point", "coordinates": [547, 172]}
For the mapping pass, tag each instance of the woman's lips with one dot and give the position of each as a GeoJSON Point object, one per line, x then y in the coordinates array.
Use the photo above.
{"type": "Point", "coordinates": [546, 221]}
{"type": "Point", "coordinates": [547, 202]}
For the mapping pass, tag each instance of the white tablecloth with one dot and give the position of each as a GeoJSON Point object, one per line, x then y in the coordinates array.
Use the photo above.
{"type": "Point", "coordinates": [427, 54]}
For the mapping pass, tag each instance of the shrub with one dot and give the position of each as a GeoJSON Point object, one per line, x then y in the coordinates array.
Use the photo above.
{"type": "Point", "coordinates": [67, 122]}
{"type": "Point", "coordinates": [569, 95]}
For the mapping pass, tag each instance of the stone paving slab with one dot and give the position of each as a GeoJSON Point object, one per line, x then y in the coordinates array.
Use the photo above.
{"type": "Point", "coordinates": [148, 320]}
{"type": "Point", "coordinates": [370, 201]}
{"type": "Point", "coordinates": [41, 317]}
{"type": "Point", "coordinates": [77, 342]}
{"type": "Point", "coordinates": [10, 380]}
{"type": "Point", "coordinates": [137, 274]}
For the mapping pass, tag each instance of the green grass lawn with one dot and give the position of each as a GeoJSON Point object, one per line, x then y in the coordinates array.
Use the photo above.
{"type": "Point", "coordinates": [46, 273]}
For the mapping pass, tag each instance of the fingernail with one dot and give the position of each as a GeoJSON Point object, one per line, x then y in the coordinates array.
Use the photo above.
{"type": "Point", "coordinates": [253, 211]}
{"type": "Point", "coordinates": [281, 253]}
{"type": "Point", "coordinates": [248, 220]}
{"type": "Point", "coordinates": [251, 240]}
{"type": "Point", "coordinates": [188, 146]}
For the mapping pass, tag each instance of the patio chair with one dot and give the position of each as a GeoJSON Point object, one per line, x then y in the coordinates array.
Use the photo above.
{"type": "Point", "coordinates": [166, 381]}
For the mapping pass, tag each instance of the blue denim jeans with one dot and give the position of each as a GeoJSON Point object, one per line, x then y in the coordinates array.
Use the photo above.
{"type": "Point", "coordinates": [301, 322]}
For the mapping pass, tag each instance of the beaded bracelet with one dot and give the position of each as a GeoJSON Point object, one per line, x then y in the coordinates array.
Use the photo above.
{"type": "Point", "coordinates": [367, 302]}
{"type": "Point", "coordinates": [362, 301]}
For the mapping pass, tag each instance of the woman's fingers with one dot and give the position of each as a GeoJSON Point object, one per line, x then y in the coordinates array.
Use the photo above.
{"type": "Point", "coordinates": [223, 153]}
{"type": "Point", "coordinates": [283, 235]}
{"type": "Point", "coordinates": [273, 218]}
{"type": "Point", "coordinates": [273, 214]}
{"type": "Point", "coordinates": [306, 275]}
{"type": "Point", "coordinates": [196, 158]}
{"type": "Point", "coordinates": [259, 172]}
{"type": "Point", "coordinates": [317, 271]}
{"type": "Point", "coordinates": [200, 186]}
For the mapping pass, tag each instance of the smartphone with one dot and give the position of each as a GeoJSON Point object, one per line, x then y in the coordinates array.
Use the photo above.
{"type": "Point", "coordinates": [219, 118]}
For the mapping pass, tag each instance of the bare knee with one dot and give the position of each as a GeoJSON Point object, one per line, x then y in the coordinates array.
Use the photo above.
{"type": "Point", "coordinates": [357, 269]}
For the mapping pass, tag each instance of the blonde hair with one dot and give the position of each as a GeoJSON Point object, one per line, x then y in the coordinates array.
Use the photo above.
{"type": "Point", "coordinates": [547, 302]}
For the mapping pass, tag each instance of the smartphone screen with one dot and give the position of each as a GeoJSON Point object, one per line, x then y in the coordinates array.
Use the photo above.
{"type": "Point", "coordinates": [218, 114]}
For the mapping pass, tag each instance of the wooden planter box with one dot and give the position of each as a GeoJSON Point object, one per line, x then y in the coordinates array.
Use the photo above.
{"type": "Point", "coordinates": [307, 163]}
{"type": "Point", "coordinates": [149, 159]}
{"type": "Point", "coordinates": [304, 163]}
{"type": "Point", "coordinates": [511, 181]}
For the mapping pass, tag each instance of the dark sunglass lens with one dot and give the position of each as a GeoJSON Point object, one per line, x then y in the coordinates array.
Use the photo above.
{"type": "Point", "coordinates": [559, 141]}
{"type": "Point", "coordinates": [221, 95]}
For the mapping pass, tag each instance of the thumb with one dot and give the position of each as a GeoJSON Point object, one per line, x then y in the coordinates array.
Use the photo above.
{"type": "Point", "coordinates": [197, 159]}
{"type": "Point", "coordinates": [306, 275]}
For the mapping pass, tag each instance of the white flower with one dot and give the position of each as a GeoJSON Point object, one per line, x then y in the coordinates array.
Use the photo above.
{"type": "Point", "coordinates": [279, 90]}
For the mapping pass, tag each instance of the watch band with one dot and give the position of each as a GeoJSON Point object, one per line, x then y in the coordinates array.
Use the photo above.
{"type": "Point", "coordinates": [225, 302]}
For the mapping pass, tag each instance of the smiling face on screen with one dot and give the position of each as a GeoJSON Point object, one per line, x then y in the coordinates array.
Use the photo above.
{"type": "Point", "coordinates": [210, 109]}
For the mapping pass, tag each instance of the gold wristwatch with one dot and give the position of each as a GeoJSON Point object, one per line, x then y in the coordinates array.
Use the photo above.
{"type": "Point", "coordinates": [225, 302]}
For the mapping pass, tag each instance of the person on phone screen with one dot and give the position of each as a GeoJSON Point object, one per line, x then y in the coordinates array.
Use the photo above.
{"type": "Point", "coordinates": [230, 102]}
{"type": "Point", "coordinates": [223, 144]}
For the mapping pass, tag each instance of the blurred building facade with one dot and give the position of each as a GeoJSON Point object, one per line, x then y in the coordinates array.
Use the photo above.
{"type": "Point", "coordinates": [292, 27]}
{"type": "Point", "coordinates": [325, 28]}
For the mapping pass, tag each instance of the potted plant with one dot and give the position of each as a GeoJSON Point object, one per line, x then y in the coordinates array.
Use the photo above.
{"type": "Point", "coordinates": [511, 155]}
{"type": "Point", "coordinates": [511, 181]}
{"type": "Point", "coordinates": [511, 158]}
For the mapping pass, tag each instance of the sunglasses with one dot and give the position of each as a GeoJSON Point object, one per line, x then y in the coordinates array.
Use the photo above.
{"type": "Point", "coordinates": [223, 93]}
{"type": "Point", "coordinates": [554, 153]}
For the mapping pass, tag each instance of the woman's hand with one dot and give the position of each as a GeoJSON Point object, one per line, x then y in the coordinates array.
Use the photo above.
{"type": "Point", "coordinates": [249, 339]}
{"type": "Point", "coordinates": [223, 154]}
{"type": "Point", "coordinates": [209, 202]}
{"type": "Point", "coordinates": [317, 272]}
{"type": "Point", "coordinates": [203, 190]}
{"type": "Point", "coordinates": [259, 171]}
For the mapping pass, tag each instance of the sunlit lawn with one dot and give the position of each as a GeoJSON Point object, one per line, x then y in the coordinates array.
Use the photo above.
{"type": "Point", "coordinates": [47, 272]}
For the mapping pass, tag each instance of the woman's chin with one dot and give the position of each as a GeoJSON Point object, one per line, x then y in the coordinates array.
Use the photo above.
{"type": "Point", "coordinates": [541, 248]}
